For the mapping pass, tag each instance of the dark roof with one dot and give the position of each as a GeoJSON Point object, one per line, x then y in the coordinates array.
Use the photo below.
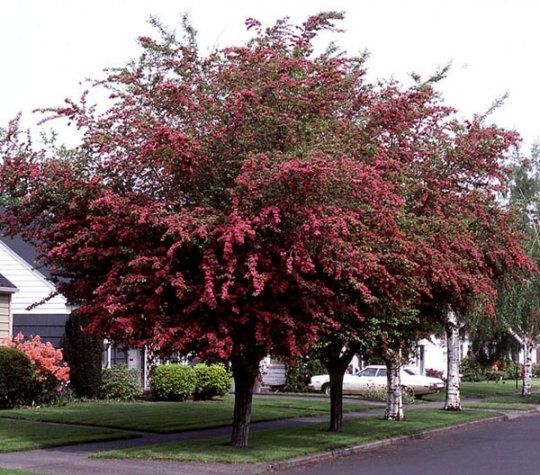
{"type": "Point", "coordinates": [27, 252]}
{"type": "Point", "coordinates": [6, 284]}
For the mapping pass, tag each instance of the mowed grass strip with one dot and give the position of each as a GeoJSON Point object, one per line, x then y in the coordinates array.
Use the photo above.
{"type": "Point", "coordinates": [501, 392]}
{"type": "Point", "coordinates": [176, 416]}
{"type": "Point", "coordinates": [16, 435]}
{"type": "Point", "coordinates": [497, 406]}
{"type": "Point", "coordinates": [284, 443]}
{"type": "Point", "coordinates": [13, 471]}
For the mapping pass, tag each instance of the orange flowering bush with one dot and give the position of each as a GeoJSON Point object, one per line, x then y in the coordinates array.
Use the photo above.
{"type": "Point", "coordinates": [51, 372]}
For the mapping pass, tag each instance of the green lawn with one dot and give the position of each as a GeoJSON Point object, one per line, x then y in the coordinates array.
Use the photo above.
{"type": "Point", "coordinates": [175, 416]}
{"type": "Point", "coordinates": [503, 393]}
{"type": "Point", "coordinates": [12, 471]}
{"type": "Point", "coordinates": [498, 406]}
{"type": "Point", "coordinates": [283, 443]}
{"type": "Point", "coordinates": [18, 435]}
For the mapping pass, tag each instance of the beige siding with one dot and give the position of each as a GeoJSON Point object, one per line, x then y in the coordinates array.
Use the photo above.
{"type": "Point", "coordinates": [4, 316]}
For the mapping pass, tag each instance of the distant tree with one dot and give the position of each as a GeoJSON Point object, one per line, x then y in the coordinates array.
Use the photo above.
{"type": "Point", "coordinates": [518, 308]}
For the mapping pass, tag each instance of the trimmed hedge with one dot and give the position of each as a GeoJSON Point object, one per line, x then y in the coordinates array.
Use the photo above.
{"type": "Point", "coordinates": [212, 381]}
{"type": "Point", "coordinates": [121, 383]}
{"type": "Point", "coordinates": [173, 382]}
{"type": "Point", "coordinates": [16, 377]}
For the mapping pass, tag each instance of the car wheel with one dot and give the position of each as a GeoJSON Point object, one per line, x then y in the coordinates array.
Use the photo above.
{"type": "Point", "coordinates": [408, 390]}
{"type": "Point", "coordinates": [326, 389]}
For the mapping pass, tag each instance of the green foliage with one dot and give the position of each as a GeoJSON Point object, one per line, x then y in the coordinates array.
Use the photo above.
{"type": "Point", "coordinates": [173, 382]}
{"type": "Point", "coordinates": [472, 370]}
{"type": "Point", "coordinates": [16, 377]}
{"type": "Point", "coordinates": [512, 370]}
{"type": "Point", "coordinates": [299, 372]}
{"type": "Point", "coordinates": [120, 383]}
{"type": "Point", "coordinates": [212, 380]}
{"type": "Point", "coordinates": [495, 375]}
{"type": "Point", "coordinates": [82, 352]}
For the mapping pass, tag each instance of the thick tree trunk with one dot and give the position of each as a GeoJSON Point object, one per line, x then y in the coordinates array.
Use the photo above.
{"type": "Point", "coordinates": [336, 361]}
{"type": "Point", "coordinates": [527, 369]}
{"type": "Point", "coordinates": [245, 374]}
{"type": "Point", "coordinates": [336, 399]}
{"type": "Point", "coordinates": [453, 399]}
{"type": "Point", "coordinates": [394, 394]}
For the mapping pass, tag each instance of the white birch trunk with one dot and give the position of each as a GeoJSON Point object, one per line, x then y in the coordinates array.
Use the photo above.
{"type": "Point", "coordinates": [527, 347]}
{"type": "Point", "coordinates": [453, 397]}
{"type": "Point", "coordinates": [527, 368]}
{"type": "Point", "coordinates": [394, 394]}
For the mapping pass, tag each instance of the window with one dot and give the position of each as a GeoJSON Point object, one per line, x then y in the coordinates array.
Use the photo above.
{"type": "Point", "coordinates": [369, 372]}
{"type": "Point", "coordinates": [381, 373]}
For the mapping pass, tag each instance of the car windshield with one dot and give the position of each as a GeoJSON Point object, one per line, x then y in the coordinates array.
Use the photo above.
{"type": "Point", "coordinates": [409, 371]}
{"type": "Point", "coordinates": [368, 372]}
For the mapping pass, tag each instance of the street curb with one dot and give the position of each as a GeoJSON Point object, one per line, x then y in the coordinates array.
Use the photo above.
{"type": "Point", "coordinates": [359, 449]}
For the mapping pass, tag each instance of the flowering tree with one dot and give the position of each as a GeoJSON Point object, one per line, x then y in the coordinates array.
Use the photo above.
{"type": "Point", "coordinates": [218, 205]}
{"type": "Point", "coordinates": [256, 200]}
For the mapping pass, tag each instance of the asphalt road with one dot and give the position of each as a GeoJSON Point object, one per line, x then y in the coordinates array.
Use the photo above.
{"type": "Point", "coordinates": [498, 448]}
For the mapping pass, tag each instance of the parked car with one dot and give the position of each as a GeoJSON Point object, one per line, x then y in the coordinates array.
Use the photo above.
{"type": "Point", "coordinates": [373, 378]}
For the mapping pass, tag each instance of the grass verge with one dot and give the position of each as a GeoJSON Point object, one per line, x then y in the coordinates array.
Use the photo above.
{"type": "Point", "coordinates": [13, 471]}
{"type": "Point", "coordinates": [496, 406]}
{"type": "Point", "coordinates": [284, 443]}
{"type": "Point", "coordinates": [166, 417]}
{"type": "Point", "coordinates": [502, 392]}
{"type": "Point", "coordinates": [27, 435]}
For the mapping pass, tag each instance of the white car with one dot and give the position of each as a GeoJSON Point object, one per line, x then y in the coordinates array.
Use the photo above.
{"type": "Point", "coordinates": [373, 378]}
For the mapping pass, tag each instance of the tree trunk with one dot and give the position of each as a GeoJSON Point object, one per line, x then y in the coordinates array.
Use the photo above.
{"type": "Point", "coordinates": [394, 394]}
{"type": "Point", "coordinates": [336, 360]}
{"type": "Point", "coordinates": [527, 368]}
{"type": "Point", "coordinates": [453, 399]}
{"type": "Point", "coordinates": [336, 398]}
{"type": "Point", "coordinates": [245, 374]}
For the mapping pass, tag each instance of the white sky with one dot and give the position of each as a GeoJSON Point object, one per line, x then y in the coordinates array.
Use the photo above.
{"type": "Point", "coordinates": [48, 46]}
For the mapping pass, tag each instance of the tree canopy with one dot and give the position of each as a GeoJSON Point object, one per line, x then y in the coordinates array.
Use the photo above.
{"type": "Point", "coordinates": [235, 204]}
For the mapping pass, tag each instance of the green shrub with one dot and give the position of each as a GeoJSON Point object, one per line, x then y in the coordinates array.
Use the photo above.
{"type": "Point", "coordinates": [16, 377]}
{"type": "Point", "coordinates": [495, 375]}
{"type": "Point", "coordinates": [536, 370]}
{"type": "Point", "coordinates": [173, 382]}
{"type": "Point", "coordinates": [299, 372]}
{"type": "Point", "coordinates": [212, 381]}
{"type": "Point", "coordinates": [120, 383]}
{"type": "Point", "coordinates": [82, 352]}
{"type": "Point", "coordinates": [512, 370]}
{"type": "Point", "coordinates": [472, 371]}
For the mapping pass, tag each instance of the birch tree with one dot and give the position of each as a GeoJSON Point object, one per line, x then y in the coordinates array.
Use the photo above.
{"type": "Point", "coordinates": [519, 305]}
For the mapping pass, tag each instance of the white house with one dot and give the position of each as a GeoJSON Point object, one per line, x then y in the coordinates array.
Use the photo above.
{"type": "Point", "coordinates": [18, 265]}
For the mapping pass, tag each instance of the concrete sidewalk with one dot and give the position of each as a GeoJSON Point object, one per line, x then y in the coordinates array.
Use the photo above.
{"type": "Point", "coordinates": [74, 459]}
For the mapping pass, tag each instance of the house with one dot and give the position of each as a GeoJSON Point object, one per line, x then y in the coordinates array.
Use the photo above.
{"type": "Point", "coordinates": [7, 289]}
{"type": "Point", "coordinates": [20, 268]}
